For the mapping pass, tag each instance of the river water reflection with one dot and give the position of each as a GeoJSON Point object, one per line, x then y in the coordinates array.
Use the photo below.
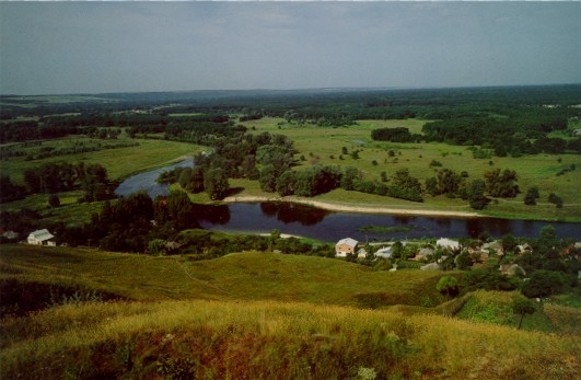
{"type": "Point", "coordinates": [296, 219]}
{"type": "Point", "coordinates": [316, 223]}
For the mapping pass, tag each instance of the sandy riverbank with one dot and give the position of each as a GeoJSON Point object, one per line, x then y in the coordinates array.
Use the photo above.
{"type": "Point", "coordinates": [354, 209]}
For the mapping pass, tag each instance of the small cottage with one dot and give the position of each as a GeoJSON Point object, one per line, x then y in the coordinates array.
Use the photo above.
{"type": "Point", "coordinates": [346, 246]}
{"type": "Point", "coordinates": [41, 237]}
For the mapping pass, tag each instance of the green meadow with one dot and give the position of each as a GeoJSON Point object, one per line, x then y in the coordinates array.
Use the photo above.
{"type": "Point", "coordinates": [323, 145]}
{"type": "Point", "coordinates": [119, 162]}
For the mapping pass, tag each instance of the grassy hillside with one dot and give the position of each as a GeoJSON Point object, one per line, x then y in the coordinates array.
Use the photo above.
{"type": "Point", "coordinates": [243, 276]}
{"type": "Point", "coordinates": [265, 340]}
{"type": "Point", "coordinates": [323, 145]}
{"type": "Point", "coordinates": [259, 315]}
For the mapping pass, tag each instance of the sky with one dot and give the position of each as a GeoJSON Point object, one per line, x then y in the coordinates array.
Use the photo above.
{"type": "Point", "coordinates": [97, 47]}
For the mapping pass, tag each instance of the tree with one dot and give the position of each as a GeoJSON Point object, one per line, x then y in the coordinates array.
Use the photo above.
{"type": "Point", "coordinates": [216, 183]}
{"type": "Point", "coordinates": [531, 196]}
{"type": "Point", "coordinates": [464, 261]}
{"type": "Point", "coordinates": [350, 178]}
{"type": "Point", "coordinates": [508, 243]}
{"type": "Point", "coordinates": [503, 184]}
{"type": "Point", "coordinates": [543, 283]}
{"type": "Point", "coordinates": [556, 200]}
{"type": "Point", "coordinates": [475, 194]}
{"type": "Point", "coordinates": [523, 306]}
{"type": "Point", "coordinates": [267, 178]}
{"type": "Point", "coordinates": [156, 247]}
{"type": "Point", "coordinates": [448, 181]}
{"type": "Point", "coordinates": [285, 183]}
{"type": "Point", "coordinates": [54, 201]}
{"type": "Point", "coordinates": [448, 285]}
{"type": "Point", "coordinates": [9, 191]}
{"type": "Point", "coordinates": [432, 186]}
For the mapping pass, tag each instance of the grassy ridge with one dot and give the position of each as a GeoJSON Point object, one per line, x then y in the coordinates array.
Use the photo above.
{"type": "Point", "coordinates": [245, 276]}
{"type": "Point", "coordinates": [262, 315]}
{"type": "Point", "coordinates": [261, 340]}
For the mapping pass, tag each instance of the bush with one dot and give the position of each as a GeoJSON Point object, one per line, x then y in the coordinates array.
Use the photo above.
{"type": "Point", "coordinates": [544, 283]}
{"type": "Point", "coordinates": [54, 201]}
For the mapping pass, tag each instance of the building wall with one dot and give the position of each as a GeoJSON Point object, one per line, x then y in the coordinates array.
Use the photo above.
{"type": "Point", "coordinates": [344, 249]}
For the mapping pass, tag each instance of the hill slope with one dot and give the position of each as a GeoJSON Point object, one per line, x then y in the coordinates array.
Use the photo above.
{"type": "Point", "coordinates": [265, 340]}
{"type": "Point", "coordinates": [251, 316]}
{"type": "Point", "coordinates": [242, 276]}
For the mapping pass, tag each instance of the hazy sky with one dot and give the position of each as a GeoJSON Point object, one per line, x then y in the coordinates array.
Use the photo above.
{"type": "Point", "coordinates": [113, 47]}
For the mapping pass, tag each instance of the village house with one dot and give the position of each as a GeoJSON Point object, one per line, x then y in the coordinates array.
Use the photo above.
{"type": "Point", "coordinates": [41, 237]}
{"type": "Point", "coordinates": [385, 252]}
{"type": "Point", "coordinates": [345, 246]}
{"type": "Point", "coordinates": [449, 244]}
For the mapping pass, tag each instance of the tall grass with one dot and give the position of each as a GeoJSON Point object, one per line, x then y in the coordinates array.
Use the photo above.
{"type": "Point", "coordinates": [264, 340]}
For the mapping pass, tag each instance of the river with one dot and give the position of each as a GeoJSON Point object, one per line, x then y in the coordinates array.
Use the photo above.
{"type": "Point", "coordinates": [301, 220]}
{"type": "Point", "coordinates": [147, 181]}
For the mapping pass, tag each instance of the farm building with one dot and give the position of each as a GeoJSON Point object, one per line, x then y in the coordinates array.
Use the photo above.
{"type": "Point", "coordinates": [41, 237]}
{"type": "Point", "coordinates": [345, 246]}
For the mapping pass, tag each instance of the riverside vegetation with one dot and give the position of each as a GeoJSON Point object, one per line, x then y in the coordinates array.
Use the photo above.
{"type": "Point", "coordinates": [197, 307]}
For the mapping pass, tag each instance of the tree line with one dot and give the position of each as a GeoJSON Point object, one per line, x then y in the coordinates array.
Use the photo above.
{"type": "Point", "coordinates": [54, 178]}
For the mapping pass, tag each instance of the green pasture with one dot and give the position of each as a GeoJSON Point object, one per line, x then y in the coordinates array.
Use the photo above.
{"type": "Point", "coordinates": [71, 212]}
{"type": "Point", "coordinates": [120, 162]}
{"type": "Point", "coordinates": [323, 145]}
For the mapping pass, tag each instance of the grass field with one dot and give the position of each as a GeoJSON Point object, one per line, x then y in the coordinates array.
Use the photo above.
{"type": "Point", "coordinates": [261, 316]}
{"type": "Point", "coordinates": [248, 276]}
{"type": "Point", "coordinates": [322, 145]}
{"type": "Point", "coordinates": [120, 162]}
{"type": "Point", "coordinates": [70, 211]}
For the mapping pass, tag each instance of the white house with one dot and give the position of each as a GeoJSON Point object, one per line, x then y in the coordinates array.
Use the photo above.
{"type": "Point", "coordinates": [345, 246]}
{"type": "Point", "coordinates": [384, 252]}
{"type": "Point", "coordinates": [446, 243]}
{"type": "Point", "coordinates": [41, 237]}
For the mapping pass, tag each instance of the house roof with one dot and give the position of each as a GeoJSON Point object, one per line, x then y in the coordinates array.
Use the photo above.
{"type": "Point", "coordinates": [448, 243]}
{"type": "Point", "coordinates": [384, 250]}
{"type": "Point", "coordinates": [348, 241]}
{"type": "Point", "coordinates": [41, 235]}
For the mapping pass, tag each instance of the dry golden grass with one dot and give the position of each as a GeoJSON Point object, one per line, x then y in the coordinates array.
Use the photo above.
{"type": "Point", "coordinates": [267, 339]}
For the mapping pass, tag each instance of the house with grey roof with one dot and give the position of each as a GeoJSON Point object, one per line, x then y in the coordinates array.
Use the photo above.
{"type": "Point", "coordinates": [346, 246]}
{"type": "Point", "coordinates": [41, 237]}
